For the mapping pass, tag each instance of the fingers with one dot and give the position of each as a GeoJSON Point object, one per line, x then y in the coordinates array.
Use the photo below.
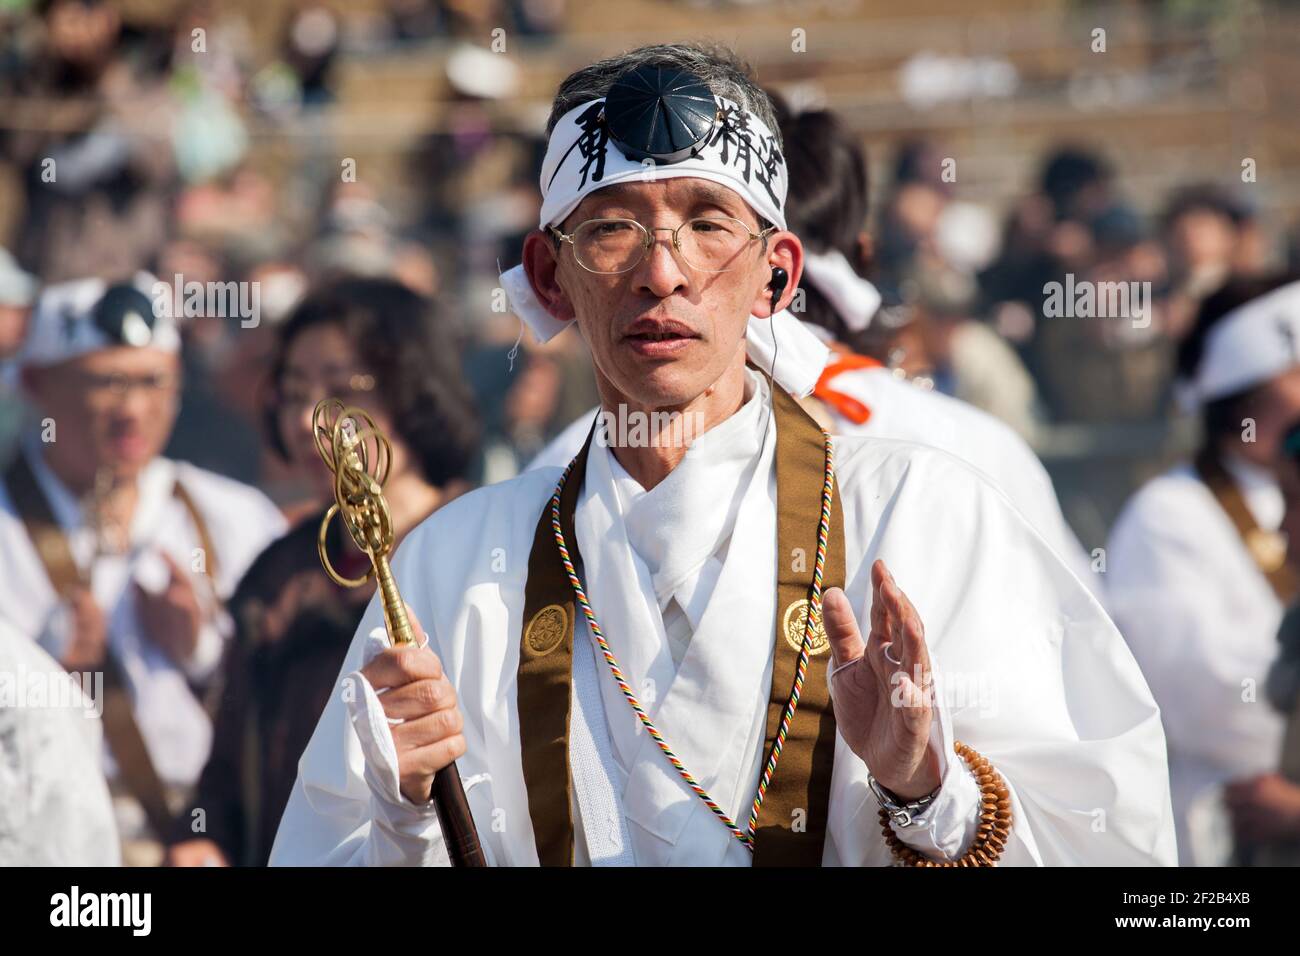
{"type": "Point", "coordinates": [180, 588]}
{"type": "Point", "coordinates": [84, 607]}
{"type": "Point", "coordinates": [416, 691]}
{"type": "Point", "coordinates": [882, 626]}
{"type": "Point", "coordinates": [417, 631]}
{"type": "Point", "coordinates": [427, 730]}
{"type": "Point", "coordinates": [176, 573]}
{"type": "Point", "coordinates": [900, 624]}
{"type": "Point", "coordinates": [195, 853]}
{"type": "Point", "coordinates": [416, 768]}
{"type": "Point", "coordinates": [841, 627]}
{"type": "Point", "coordinates": [397, 666]}
{"type": "Point", "coordinates": [418, 698]}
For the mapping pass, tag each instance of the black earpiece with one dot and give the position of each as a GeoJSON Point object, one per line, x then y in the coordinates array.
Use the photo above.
{"type": "Point", "coordinates": [780, 278]}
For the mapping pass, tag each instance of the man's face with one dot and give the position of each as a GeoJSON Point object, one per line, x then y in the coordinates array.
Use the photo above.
{"type": "Point", "coordinates": [661, 334]}
{"type": "Point", "coordinates": [112, 408]}
{"type": "Point", "coordinates": [13, 328]}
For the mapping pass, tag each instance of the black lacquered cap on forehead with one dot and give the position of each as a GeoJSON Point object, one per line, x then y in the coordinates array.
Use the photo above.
{"type": "Point", "coordinates": [125, 314]}
{"type": "Point", "coordinates": [660, 113]}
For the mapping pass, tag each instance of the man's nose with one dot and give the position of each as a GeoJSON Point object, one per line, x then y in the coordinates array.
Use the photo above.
{"type": "Point", "coordinates": [661, 272]}
{"type": "Point", "coordinates": [133, 403]}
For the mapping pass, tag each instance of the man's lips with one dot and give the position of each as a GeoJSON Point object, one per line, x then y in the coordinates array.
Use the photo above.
{"type": "Point", "coordinates": [656, 338]}
{"type": "Point", "coordinates": [127, 443]}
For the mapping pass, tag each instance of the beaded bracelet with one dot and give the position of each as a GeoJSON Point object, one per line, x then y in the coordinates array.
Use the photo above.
{"type": "Point", "coordinates": [994, 822]}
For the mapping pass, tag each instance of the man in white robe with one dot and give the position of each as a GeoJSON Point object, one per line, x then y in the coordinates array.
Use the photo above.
{"type": "Point", "coordinates": [152, 545]}
{"type": "Point", "coordinates": [678, 561]}
{"type": "Point", "coordinates": [903, 411]}
{"type": "Point", "coordinates": [54, 803]}
{"type": "Point", "coordinates": [851, 394]}
{"type": "Point", "coordinates": [1200, 598]}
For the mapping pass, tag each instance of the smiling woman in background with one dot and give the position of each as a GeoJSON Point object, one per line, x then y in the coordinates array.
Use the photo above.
{"type": "Point", "coordinates": [373, 343]}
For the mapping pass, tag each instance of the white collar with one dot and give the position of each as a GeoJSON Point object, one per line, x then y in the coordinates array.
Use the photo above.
{"type": "Point", "coordinates": [677, 524]}
{"type": "Point", "coordinates": [154, 488]}
{"type": "Point", "coordinates": [64, 504]}
{"type": "Point", "coordinates": [1260, 489]}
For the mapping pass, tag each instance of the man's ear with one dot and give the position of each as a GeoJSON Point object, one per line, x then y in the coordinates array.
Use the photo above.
{"type": "Point", "coordinates": [541, 265]}
{"type": "Point", "coordinates": [785, 250]}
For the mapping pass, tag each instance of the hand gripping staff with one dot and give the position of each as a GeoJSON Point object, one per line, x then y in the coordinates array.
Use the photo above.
{"type": "Point", "coordinates": [358, 455]}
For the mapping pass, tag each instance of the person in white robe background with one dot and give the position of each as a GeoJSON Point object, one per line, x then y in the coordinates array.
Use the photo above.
{"type": "Point", "coordinates": [54, 804]}
{"type": "Point", "coordinates": [678, 558]}
{"type": "Point", "coordinates": [1197, 600]}
{"type": "Point", "coordinates": [827, 208]}
{"type": "Point", "coordinates": [154, 545]}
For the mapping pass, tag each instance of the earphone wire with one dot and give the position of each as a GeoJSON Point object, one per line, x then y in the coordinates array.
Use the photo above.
{"type": "Point", "coordinates": [771, 384]}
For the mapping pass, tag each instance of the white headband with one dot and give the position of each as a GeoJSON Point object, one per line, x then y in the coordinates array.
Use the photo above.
{"type": "Point", "coordinates": [852, 297]}
{"type": "Point", "coordinates": [66, 321]}
{"type": "Point", "coordinates": [742, 154]}
{"type": "Point", "coordinates": [1250, 345]}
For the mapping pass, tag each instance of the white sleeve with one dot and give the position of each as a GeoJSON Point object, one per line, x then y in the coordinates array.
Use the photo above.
{"type": "Point", "coordinates": [346, 808]}
{"type": "Point", "coordinates": [1170, 600]}
{"type": "Point", "coordinates": [56, 809]}
{"type": "Point", "coordinates": [945, 829]}
{"type": "Point", "coordinates": [207, 650]}
{"type": "Point", "coordinates": [1032, 673]}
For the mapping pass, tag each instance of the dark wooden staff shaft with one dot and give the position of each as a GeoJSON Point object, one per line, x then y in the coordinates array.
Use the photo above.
{"type": "Point", "coordinates": [449, 799]}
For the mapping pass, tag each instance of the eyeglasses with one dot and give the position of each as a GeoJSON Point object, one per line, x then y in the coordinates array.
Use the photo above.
{"type": "Point", "coordinates": [113, 388]}
{"type": "Point", "coordinates": [294, 395]}
{"type": "Point", "coordinates": [614, 246]}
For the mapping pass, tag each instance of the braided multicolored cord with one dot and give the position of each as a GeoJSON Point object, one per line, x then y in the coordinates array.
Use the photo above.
{"type": "Point", "coordinates": [814, 616]}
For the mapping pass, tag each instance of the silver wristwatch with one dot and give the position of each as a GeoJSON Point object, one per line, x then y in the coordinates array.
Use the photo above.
{"type": "Point", "coordinates": [900, 814]}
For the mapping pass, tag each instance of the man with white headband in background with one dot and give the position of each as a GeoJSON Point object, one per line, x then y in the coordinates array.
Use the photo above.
{"type": "Point", "coordinates": [853, 394]}
{"type": "Point", "coordinates": [116, 560]}
{"type": "Point", "coordinates": [653, 656]}
{"type": "Point", "coordinates": [1199, 576]}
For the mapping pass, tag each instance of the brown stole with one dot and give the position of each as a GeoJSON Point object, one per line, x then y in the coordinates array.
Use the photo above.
{"type": "Point", "coordinates": [120, 729]}
{"type": "Point", "coordinates": [1268, 552]}
{"type": "Point", "coordinates": [1267, 549]}
{"type": "Point", "coordinates": [792, 823]}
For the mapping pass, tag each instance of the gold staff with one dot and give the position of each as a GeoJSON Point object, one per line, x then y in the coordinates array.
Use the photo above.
{"type": "Point", "coordinates": [358, 455]}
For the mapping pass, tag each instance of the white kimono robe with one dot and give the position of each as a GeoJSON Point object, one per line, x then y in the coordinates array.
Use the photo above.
{"type": "Point", "coordinates": [1202, 621]}
{"type": "Point", "coordinates": [907, 412]}
{"type": "Point", "coordinates": [54, 804]}
{"type": "Point", "coordinates": [241, 521]}
{"type": "Point", "coordinates": [1029, 670]}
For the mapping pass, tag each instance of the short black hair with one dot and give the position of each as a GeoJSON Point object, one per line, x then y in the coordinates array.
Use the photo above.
{"type": "Point", "coordinates": [827, 203]}
{"type": "Point", "coordinates": [1068, 171]}
{"type": "Point", "coordinates": [415, 358]}
{"type": "Point", "coordinates": [1206, 197]}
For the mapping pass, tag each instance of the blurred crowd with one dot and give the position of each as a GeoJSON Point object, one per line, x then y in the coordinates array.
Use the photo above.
{"type": "Point", "coordinates": [129, 144]}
